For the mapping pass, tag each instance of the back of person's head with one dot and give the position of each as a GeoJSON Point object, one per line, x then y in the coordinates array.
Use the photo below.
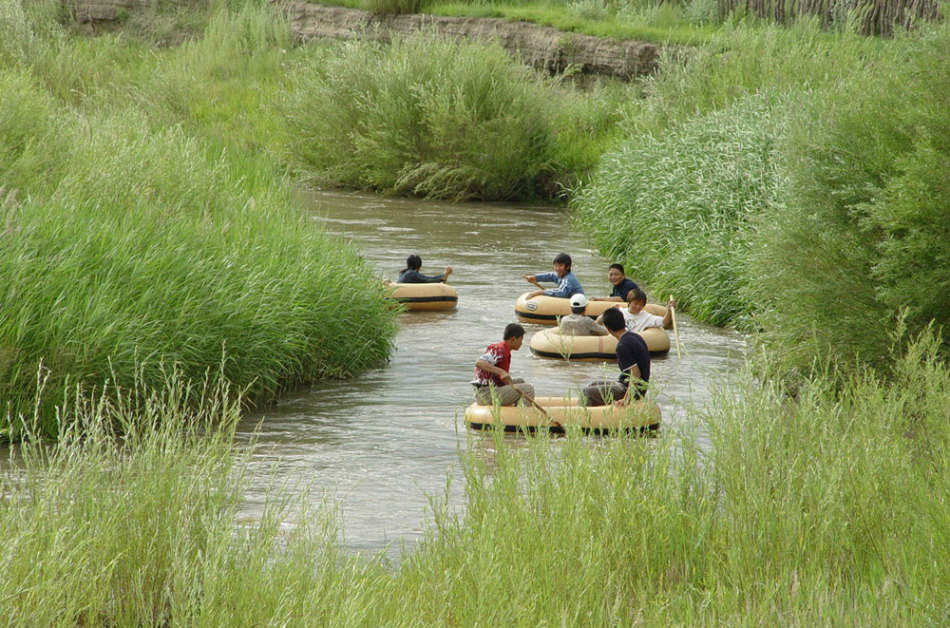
{"type": "Point", "coordinates": [513, 330]}
{"type": "Point", "coordinates": [613, 319]}
{"type": "Point", "coordinates": [563, 258]}
{"type": "Point", "coordinates": [578, 304]}
{"type": "Point", "coordinates": [617, 267]}
{"type": "Point", "coordinates": [638, 295]}
{"type": "Point", "coordinates": [414, 262]}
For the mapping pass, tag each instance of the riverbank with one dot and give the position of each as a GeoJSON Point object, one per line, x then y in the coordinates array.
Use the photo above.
{"type": "Point", "coordinates": [544, 48]}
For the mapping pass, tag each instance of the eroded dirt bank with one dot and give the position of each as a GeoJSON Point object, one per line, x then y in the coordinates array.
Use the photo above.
{"type": "Point", "coordinates": [542, 47]}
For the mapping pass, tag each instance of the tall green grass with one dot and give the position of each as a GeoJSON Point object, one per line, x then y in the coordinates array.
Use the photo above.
{"type": "Point", "coordinates": [144, 529]}
{"type": "Point", "coordinates": [824, 510]}
{"type": "Point", "coordinates": [129, 236]}
{"type": "Point", "coordinates": [678, 208]}
{"type": "Point", "coordinates": [705, 156]}
{"type": "Point", "coordinates": [423, 116]}
{"type": "Point", "coordinates": [749, 58]}
{"type": "Point", "coordinates": [861, 232]}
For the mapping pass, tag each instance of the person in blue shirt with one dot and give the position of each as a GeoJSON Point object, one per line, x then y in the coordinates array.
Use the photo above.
{"type": "Point", "coordinates": [622, 285]}
{"type": "Point", "coordinates": [567, 283]}
{"type": "Point", "coordinates": [411, 274]}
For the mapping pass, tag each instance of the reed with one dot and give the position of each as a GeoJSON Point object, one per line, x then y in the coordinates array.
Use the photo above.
{"type": "Point", "coordinates": [127, 237]}
{"type": "Point", "coordinates": [868, 17]}
{"type": "Point", "coordinates": [821, 510]}
{"type": "Point", "coordinates": [678, 200]}
{"type": "Point", "coordinates": [678, 208]}
{"type": "Point", "coordinates": [855, 238]}
{"type": "Point", "coordinates": [424, 116]}
{"type": "Point", "coordinates": [803, 512]}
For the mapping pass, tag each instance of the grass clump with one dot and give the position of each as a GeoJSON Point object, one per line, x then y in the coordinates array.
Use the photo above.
{"type": "Point", "coordinates": [132, 518]}
{"type": "Point", "coordinates": [128, 236]}
{"type": "Point", "coordinates": [822, 510]}
{"type": "Point", "coordinates": [108, 531]}
{"type": "Point", "coordinates": [677, 208]}
{"type": "Point", "coordinates": [424, 116]}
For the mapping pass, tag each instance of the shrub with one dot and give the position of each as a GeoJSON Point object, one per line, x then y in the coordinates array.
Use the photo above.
{"type": "Point", "coordinates": [862, 231]}
{"type": "Point", "coordinates": [424, 116]}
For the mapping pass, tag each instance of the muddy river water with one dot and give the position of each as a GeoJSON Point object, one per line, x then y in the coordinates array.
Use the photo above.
{"type": "Point", "coordinates": [381, 444]}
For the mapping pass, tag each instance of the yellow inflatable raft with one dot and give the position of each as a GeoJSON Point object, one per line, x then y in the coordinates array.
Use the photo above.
{"type": "Point", "coordinates": [550, 343]}
{"type": "Point", "coordinates": [425, 296]}
{"type": "Point", "coordinates": [563, 412]}
{"type": "Point", "coordinates": [545, 310]}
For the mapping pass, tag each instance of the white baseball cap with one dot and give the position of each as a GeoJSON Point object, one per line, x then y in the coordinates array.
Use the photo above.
{"type": "Point", "coordinates": [578, 300]}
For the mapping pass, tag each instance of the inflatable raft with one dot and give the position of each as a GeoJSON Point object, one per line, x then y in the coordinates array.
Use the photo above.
{"type": "Point", "coordinates": [545, 310]}
{"type": "Point", "coordinates": [425, 296]}
{"type": "Point", "coordinates": [550, 343]}
{"type": "Point", "coordinates": [563, 412]}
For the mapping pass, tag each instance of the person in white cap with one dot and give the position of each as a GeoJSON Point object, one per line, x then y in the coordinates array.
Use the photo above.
{"type": "Point", "coordinates": [577, 323]}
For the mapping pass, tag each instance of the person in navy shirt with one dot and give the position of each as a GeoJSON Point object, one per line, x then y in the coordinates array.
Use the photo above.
{"type": "Point", "coordinates": [633, 358]}
{"type": "Point", "coordinates": [622, 285]}
{"type": "Point", "coordinates": [411, 274]}
{"type": "Point", "coordinates": [567, 283]}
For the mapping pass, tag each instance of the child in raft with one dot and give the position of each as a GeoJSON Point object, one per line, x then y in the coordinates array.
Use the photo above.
{"type": "Point", "coordinates": [411, 274]}
{"type": "Point", "coordinates": [491, 378]}
{"type": "Point", "coordinates": [637, 319]}
{"type": "Point", "coordinates": [567, 283]}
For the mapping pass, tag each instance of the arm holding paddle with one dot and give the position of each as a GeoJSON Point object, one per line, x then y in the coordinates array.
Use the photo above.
{"type": "Point", "coordinates": [533, 280]}
{"type": "Point", "coordinates": [500, 373]}
{"type": "Point", "coordinates": [676, 336]}
{"type": "Point", "coordinates": [567, 283]}
{"type": "Point", "coordinates": [668, 317]}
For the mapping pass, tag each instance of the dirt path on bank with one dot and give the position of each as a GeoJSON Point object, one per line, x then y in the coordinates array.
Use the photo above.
{"type": "Point", "coordinates": [544, 48]}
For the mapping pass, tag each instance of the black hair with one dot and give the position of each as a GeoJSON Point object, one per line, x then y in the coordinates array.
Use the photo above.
{"type": "Point", "coordinates": [563, 258]}
{"type": "Point", "coordinates": [413, 262]}
{"type": "Point", "coordinates": [636, 294]}
{"type": "Point", "coordinates": [618, 267]}
{"type": "Point", "coordinates": [613, 319]}
{"type": "Point", "coordinates": [513, 330]}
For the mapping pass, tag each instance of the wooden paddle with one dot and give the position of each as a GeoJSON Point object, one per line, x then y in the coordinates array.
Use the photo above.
{"type": "Point", "coordinates": [536, 405]}
{"type": "Point", "coordinates": [525, 277]}
{"type": "Point", "coordinates": [676, 335]}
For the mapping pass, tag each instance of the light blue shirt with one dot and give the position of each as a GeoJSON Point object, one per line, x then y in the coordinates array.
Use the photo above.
{"type": "Point", "coordinates": [567, 286]}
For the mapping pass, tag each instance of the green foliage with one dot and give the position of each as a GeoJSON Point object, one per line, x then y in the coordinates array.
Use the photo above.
{"type": "Point", "coordinates": [824, 510]}
{"type": "Point", "coordinates": [27, 29]}
{"type": "Point", "coordinates": [862, 231]}
{"type": "Point", "coordinates": [134, 230]}
{"type": "Point", "coordinates": [745, 59]}
{"type": "Point", "coordinates": [801, 512]}
{"type": "Point", "coordinates": [677, 209]}
{"type": "Point", "coordinates": [393, 7]}
{"type": "Point", "coordinates": [424, 116]}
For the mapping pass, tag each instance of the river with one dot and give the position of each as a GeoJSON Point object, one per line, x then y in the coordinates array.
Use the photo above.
{"type": "Point", "coordinates": [381, 444]}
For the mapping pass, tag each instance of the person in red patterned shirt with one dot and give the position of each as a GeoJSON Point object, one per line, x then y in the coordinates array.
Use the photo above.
{"type": "Point", "coordinates": [491, 378]}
